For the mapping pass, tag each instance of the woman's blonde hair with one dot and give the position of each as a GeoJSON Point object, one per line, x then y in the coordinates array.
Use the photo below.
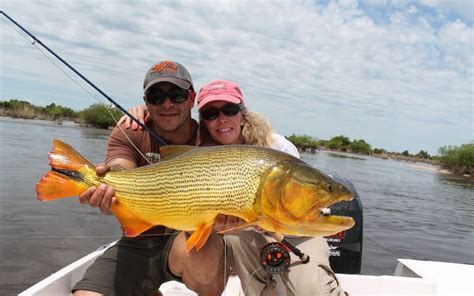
{"type": "Point", "coordinates": [256, 130]}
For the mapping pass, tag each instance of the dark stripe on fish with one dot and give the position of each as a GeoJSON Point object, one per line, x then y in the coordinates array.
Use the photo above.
{"type": "Point", "coordinates": [71, 174]}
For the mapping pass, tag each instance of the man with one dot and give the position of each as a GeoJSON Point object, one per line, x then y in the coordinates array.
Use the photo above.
{"type": "Point", "coordinates": [138, 266]}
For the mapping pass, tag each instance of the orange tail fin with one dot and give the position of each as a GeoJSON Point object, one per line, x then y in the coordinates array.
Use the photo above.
{"type": "Point", "coordinates": [71, 174]}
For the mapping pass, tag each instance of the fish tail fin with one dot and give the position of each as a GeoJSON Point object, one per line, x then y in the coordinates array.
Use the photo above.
{"type": "Point", "coordinates": [71, 174]}
{"type": "Point", "coordinates": [54, 185]}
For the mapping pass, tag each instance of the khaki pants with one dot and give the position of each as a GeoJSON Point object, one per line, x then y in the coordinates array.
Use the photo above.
{"type": "Point", "coordinates": [314, 278]}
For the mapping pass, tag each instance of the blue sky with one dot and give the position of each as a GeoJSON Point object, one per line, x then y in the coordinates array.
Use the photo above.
{"type": "Point", "coordinates": [398, 74]}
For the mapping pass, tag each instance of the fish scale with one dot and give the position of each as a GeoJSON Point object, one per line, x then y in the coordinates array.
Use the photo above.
{"type": "Point", "coordinates": [227, 189]}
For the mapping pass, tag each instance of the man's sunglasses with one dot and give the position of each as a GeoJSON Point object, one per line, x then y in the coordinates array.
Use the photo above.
{"type": "Point", "coordinates": [228, 110]}
{"type": "Point", "coordinates": [158, 97]}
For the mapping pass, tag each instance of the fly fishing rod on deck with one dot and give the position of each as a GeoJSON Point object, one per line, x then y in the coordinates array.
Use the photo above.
{"type": "Point", "coordinates": [85, 79]}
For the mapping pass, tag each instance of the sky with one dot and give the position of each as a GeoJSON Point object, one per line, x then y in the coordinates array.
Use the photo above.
{"type": "Point", "coordinates": [398, 74]}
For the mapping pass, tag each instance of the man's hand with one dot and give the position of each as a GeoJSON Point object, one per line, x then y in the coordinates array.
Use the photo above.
{"type": "Point", "coordinates": [99, 197]}
{"type": "Point", "coordinates": [140, 112]}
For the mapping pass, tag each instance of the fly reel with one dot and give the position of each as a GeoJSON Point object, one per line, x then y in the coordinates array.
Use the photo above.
{"type": "Point", "coordinates": [275, 258]}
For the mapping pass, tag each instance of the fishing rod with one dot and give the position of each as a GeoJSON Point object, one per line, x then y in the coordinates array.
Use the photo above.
{"type": "Point", "coordinates": [86, 80]}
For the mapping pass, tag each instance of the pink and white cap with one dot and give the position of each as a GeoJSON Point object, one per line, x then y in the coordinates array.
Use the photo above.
{"type": "Point", "coordinates": [220, 90]}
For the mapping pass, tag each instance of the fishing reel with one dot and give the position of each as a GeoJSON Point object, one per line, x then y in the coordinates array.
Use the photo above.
{"type": "Point", "coordinates": [275, 258]}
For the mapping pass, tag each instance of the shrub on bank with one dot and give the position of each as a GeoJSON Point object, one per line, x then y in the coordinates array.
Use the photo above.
{"type": "Point", "coordinates": [55, 112]}
{"type": "Point", "coordinates": [18, 109]}
{"type": "Point", "coordinates": [460, 160]}
{"type": "Point", "coordinates": [98, 115]}
{"type": "Point", "coordinates": [24, 109]}
{"type": "Point", "coordinates": [360, 146]}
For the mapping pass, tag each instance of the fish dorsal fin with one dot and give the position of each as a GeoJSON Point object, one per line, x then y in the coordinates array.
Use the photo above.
{"type": "Point", "coordinates": [171, 151]}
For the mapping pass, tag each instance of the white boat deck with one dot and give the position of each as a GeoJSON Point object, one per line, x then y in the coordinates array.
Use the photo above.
{"type": "Point", "coordinates": [412, 277]}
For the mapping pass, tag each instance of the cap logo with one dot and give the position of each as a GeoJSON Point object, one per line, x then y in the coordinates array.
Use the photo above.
{"type": "Point", "coordinates": [217, 86]}
{"type": "Point", "coordinates": [167, 66]}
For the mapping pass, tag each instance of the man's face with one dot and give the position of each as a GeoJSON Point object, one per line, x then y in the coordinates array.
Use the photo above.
{"type": "Point", "coordinates": [169, 116]}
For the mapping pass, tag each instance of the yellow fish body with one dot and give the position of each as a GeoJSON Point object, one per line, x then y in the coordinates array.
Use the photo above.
{"type": "Point", "coordinates": [190, 186]}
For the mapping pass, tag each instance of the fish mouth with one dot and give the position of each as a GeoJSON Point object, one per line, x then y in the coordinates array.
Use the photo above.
{"type": "Point", "coordinates": [319, 210]}
{"type": "Point", "coordinates": [322, 223]}
{"type": "Point", "coordinates": [332, 224]}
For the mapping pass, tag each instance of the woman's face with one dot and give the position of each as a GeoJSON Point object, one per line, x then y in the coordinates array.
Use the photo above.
{"type": "Point", "coordinates": [224, 129]}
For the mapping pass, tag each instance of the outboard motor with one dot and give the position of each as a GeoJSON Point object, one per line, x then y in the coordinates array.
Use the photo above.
{"type": "Point", "coordinates": [345, 247]}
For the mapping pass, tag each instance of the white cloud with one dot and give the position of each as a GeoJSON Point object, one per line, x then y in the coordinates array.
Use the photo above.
{"type": "Point", "coordinates": [317, 69]}
{"type": "Point", "coordinates": [463, 8]}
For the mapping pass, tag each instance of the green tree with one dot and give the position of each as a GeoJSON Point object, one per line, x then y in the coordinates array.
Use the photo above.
{"type": "Point", "coordinates": [98, 115]}
{"type": "Point", "coordinates": [303, 141]}
{"type": "Point", "coordinates": [23, 109]}
{"type": "Point", "coordinates": [18, 108]}
{"type": "Point", "coordinates": [339, 143]}
{"type": "Point", "coordinates": [360, 146]}
{"type": "Point", "coordinates": [379, 151]}
{"type": "Point", "coordinates": [16, 104]}
{"type": "Point", "coordinates": [460, 160]}
{"type": "Point", "coordinates": [423, 154]}
{"type": "Point", "coordinates": [323, 143]}
{"type": "Point", "coordinates": [59, 112]}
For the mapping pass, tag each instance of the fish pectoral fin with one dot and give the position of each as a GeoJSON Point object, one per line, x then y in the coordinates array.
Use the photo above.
{"type": "Point", "coordinates": [131, 224]}
{"type": "Point", "coordinates": [199, 237]}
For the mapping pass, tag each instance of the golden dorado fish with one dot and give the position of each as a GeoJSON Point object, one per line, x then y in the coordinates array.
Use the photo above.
{"type": "Point", "coordinates": [190, 186]}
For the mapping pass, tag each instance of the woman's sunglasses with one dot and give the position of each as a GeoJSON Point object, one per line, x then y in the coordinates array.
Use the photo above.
{"type": "Point", "coordinates": [228, 110]}
{"type": "Point", "coordinates": [176, 96]}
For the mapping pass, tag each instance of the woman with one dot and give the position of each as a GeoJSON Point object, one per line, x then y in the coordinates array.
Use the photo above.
{"type": "Point", "coordinates": [225, 120]}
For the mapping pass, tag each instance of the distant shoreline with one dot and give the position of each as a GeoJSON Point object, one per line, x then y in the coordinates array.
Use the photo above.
{"type": "Point", "coordinates": [381, 156]}
{"type": "Point", "coordinates": [436, 166]}
{"type": "Point", "coordinates": [436, 169]}
{"type": "Point", "coordinates": [428, 165]}
{"type": "Point", "coordinates": [68, 121]}
{"type": "Point", "coordinates": [96, 115]}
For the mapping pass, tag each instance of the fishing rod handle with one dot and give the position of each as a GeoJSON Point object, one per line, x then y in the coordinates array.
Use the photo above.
{"type": "Point", "coordinates": [281, 239]}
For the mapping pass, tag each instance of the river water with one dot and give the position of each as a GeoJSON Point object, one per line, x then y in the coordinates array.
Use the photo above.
{"type": "Point", "coordinates": [410, 211]}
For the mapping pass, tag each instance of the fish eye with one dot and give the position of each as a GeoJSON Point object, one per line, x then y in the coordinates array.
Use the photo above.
{"type": "Point", "coordinates": [330, 188]}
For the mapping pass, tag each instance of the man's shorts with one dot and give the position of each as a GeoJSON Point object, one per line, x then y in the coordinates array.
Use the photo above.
{"type": "Point", "coordinates": [133, 266]}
